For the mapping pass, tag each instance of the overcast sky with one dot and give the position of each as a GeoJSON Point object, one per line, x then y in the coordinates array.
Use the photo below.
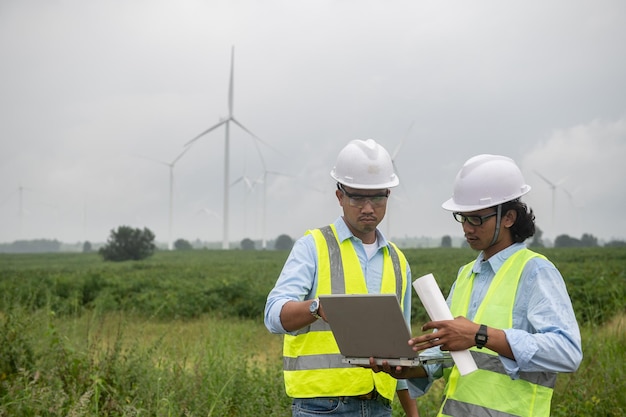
{"type": "Point", "coordinates": [97, 96]}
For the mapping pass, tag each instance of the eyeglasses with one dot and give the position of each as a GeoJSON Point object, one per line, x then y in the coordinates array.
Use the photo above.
{"type": "Point", "coordinates": [473, 220]}
{"type": "Point", "coordinates": [360, 200]}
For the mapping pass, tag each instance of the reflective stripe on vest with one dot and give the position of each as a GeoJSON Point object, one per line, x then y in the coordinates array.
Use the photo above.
{"type": "Point", "coordinates": [311, 360]}
{"type": "Point", "coordinates": [489, 391]}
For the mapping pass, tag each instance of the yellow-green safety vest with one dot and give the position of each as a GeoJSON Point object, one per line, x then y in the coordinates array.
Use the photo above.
{"type": "Point", "coordinates": [311, 359]}
{"type": "Point", "coordinates": [489, 391]}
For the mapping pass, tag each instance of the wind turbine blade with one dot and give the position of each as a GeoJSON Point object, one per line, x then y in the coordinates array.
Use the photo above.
{"type": "Point", "coordinates": [246, 130]}
{"type": "Point", "coordinates": [406, 135]}
{"type": "Point", "coordinates": [207, 131]}
{"type": "Point", "coordinates": [561, 181]}
{"type": "Point", "coordinates": [209, 213]}
{"type": "Point", "coordinates": [570, 195]}
{"type": "Point", "coordinates": [256, 137]}
{"type": "Point", "coordinates": [238, 180]}
{"type": "Point", "coordinates": [256, 145]}
{"type": "Point", "coordinates": [259, 180]}
{"type": "Point", "coordinates": [180, 155]}
{"type": "Point", "coordinates": [258, 150]}
{"type": "Point", "coordinates": [282, 174]}
{"type": "Point", "coordinates": [545, 179]}
{"type": "Point", "coordinates": [231, 87]}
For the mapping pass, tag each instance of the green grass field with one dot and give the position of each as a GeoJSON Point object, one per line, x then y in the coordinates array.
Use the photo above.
{"type": "Point", "coordinates": [181, 333]}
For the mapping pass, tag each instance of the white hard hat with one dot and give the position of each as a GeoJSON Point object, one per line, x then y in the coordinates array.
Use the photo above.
{"type": "Point", "coordinates": [486, 181]}
{"type": "Point", "coordinates": [366, 165]}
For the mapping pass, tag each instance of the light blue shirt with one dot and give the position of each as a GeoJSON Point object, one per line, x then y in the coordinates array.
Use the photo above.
{"type": "Point", "coordinates": [545, 336]}
{"type": "Point", "coordinates": [299, 277]}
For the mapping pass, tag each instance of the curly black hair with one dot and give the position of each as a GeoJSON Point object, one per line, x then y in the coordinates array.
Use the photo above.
{"type": "Point", "coordinates": [524, 226]}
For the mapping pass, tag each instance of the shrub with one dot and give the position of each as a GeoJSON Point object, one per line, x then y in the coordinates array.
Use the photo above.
{"type": "Point", "coordinates": [182, 244]}
{"type": "Point", "coordinates": [128, 244]}
{"type": "Point", "coordinates": [247, 244]}
{"type": "Point", "coordinates": [283, 242]}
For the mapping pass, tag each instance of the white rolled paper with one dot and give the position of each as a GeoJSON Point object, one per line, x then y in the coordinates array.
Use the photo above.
{"type": "Point", "coordinates": [431, 297]}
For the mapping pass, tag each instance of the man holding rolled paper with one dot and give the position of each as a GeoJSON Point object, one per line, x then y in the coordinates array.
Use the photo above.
{"type": "Point", "coordinates": [511, 306]}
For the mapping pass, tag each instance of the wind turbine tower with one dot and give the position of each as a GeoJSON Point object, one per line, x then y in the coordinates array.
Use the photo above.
{"type": "Point", "coordinates": [395, 169]}
{"type": "Point", "coordinates": [264, 209]}
{"type": "Point", "coordinates": [226, 122]}
{"type": "Point", "coordinates": [170, 244]}
{"type": "Point", "coordinates": [553, 187]}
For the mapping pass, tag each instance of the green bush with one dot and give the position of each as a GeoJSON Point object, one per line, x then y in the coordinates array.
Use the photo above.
{"type": "Point", "coordinates": [127, 243]}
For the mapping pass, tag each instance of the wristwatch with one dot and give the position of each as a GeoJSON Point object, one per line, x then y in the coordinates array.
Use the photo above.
{"type": "Point", "coordinates": [481, 337]}
{"type": "Point", "coordinates": [313, 307]}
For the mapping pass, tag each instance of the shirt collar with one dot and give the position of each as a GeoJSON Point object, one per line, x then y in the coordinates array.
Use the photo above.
{"type": "Point", "coordinates": [499, 258]}
{"type": "Point", "coordinates": [343, 232]}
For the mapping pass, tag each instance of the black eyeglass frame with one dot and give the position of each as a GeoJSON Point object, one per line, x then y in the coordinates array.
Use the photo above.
{"type": "Point", "coordinates": [359, 200]}
{"type": "Point", "coordinates": [473, 220]}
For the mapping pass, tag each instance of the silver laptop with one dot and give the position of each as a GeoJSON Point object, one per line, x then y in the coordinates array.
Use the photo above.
{"type": "Point", "coordinates": [371, 325]}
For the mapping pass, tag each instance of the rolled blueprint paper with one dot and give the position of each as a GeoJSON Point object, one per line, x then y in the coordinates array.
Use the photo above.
{"type": "Point", "coordinates": [431, 297]}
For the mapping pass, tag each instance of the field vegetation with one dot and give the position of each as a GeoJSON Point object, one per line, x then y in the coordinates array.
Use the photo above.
{"type": "Point", "coordinates": [181, 333]}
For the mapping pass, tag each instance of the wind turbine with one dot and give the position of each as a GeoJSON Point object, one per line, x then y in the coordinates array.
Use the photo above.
{"type": "Point", "coordinates": [264, 209]}
{"type": "Point", "coordinates": [249, 184]}
{"type": "Point", "coordinates": [395, 169]}
{"type": "Point", "coordinates": [553, 187]}
{"type": "Point", "coordinates": [226, 122]}
{"type": "Point", "coordinates": [577, 207]}
{"type": "Point", "coordinates": [22, 212]}
{"type": "Point", "coordinates": [170, 244]}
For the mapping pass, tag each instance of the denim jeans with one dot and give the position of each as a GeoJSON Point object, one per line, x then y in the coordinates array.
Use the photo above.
{"type": "Point", "coordinates": [339, 406]}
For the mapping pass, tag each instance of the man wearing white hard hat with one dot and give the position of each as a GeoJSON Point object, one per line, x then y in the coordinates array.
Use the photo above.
{"type": "Point", "coordinates": [348, 256]}
{"type": "Point", "coordinates": [511, 305]}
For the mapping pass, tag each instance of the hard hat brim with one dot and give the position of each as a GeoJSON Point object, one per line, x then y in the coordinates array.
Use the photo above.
{"type": "Point", "coordinates": [394, 182]}
{"type": "Point", "coordinates": [451, 205]}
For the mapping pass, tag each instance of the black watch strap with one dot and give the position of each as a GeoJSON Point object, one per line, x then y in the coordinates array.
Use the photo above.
{"type": "Point", "coordinates": [481, 337]}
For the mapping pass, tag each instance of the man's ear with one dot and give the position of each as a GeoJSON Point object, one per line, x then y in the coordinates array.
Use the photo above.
{"type": "Point", "coordinates": [509, 218]}
{"type": "Point", "coordinates": [339, 195]}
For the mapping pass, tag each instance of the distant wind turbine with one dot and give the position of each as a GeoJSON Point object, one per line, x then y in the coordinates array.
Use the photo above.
{"type": "Point", "coordinates": [576, 206]}
{"type": "Point", "coordinates": [250, 185]}
{"type": "Point", "coordinates": [395, 169]}
{"type": "Point", "coordinates": [22, 211]}
{"type": "Point", "coordinates": [226, 122]}
{"type": "Point", "coordinates": [399, 147]}
{"type": "Point", "coordinates": [170, 244]}
{"type": "Point", "coordinates": [570, 195]}
{"type": "Point", "coordinates": [208, 213]}
{"type": "Point", "coordinates": [21, 208]}
{"type": "Point", "coordinates": [264, 209]}
{"type": "Point", "coordinates": [553, 186]}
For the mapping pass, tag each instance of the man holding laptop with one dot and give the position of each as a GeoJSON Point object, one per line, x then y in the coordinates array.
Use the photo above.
{"type": "Point", "coordinates": [350, 256]}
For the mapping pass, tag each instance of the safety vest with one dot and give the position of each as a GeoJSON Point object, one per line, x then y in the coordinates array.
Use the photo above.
{"type": "Point", "coordinates": [311, 359]}
{"type": "Point", "coordinates": [489, 391]}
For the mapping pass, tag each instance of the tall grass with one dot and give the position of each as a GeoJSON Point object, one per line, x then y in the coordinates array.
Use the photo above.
{"type": "Point", "coordinates": [597, 388]}
{"type": "Point", "coordinates": [116, 365]}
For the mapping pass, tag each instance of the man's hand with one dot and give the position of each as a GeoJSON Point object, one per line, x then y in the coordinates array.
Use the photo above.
{"type": "Point", "coordinates": [398, 372]}
{"type": "Point", "coordinates": [457, 334]}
